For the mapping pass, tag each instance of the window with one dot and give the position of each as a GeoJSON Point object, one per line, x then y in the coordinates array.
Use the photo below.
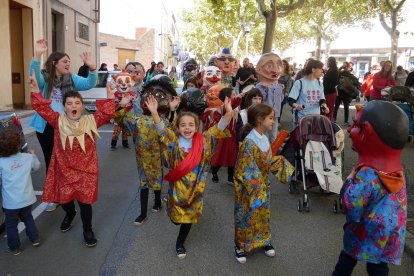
{"type": "Point", "coordinates": [83, 31]}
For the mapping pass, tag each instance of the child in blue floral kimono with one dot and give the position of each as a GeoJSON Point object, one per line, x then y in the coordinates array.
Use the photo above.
{"type": "Point", "coordinates": [374, 194]}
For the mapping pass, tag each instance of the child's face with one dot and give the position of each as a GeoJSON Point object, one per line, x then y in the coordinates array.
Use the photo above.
{"type": "Point", "coordinates": [190, 85]}
{"type": "Point", "coordinates": [256, 100]}
{"type": "Point", "coordinates": [267, 122]}
{"type": "Point", "coordinates": [187, 127]}
{"type": "Point", "coordinates": [160, 68]}
{"type": "Point", "coordinates": [73, 108]}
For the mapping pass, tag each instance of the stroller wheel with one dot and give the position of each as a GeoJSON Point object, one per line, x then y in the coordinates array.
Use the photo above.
{"type": "Point", "coordinates": [306, 203]}
{"type": "Point", "coordinates": [299, 205]}
{"type": "Point", "coordinates": [335, 208]}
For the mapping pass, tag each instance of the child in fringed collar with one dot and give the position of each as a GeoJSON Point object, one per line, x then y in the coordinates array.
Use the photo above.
{"type": "Point", "coordinates": [188, 155]}
{"type": "Point", "coordinates": [73, 170]}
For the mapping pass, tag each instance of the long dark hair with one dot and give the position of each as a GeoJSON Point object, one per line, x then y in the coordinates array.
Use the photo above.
{"type": "Point", "coordinates": [332, 66]}
{"type": "Point", "coordinates": [135, 64]}
{"type": "Point", "coordinates": [388, 74]}
{"type": "Point", "coordinates": [50, 68]}
{"type": "Point", "coordinates": [255, 112]}
{"type": "Point", "coordinates": [311, 65]}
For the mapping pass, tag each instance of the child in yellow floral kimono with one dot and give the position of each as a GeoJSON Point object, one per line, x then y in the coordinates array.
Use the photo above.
{"type": "Point", "coordinates": [251, 183]}
{"type": "Point", "coordinates": [147, 148]}
{"type": "Point", "coordinates": [188, 154]}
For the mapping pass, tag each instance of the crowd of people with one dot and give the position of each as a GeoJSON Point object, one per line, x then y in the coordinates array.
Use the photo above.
{"type": "Point", "coordinates": [226, 116]}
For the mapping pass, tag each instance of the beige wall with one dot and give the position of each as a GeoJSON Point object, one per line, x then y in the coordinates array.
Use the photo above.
{"type": "Point", "coordinates": [16, 39]}
{"type": "Point", "coordinates": [72, 45]}
{"type": "Point", "coordinates": [144, 44]}
{"type": "Point", "coordinates": [6, 101]}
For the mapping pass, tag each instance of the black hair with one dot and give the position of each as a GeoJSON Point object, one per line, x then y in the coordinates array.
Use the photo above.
{"type": "Point", "coordinates": [135, 64]}
{"type": "Point", "coordinates": [332, 64]}
{"type": "Point", "coordinates": [72, 94]}
{"type": "Point", "coordinates": [225, 92]}
{"type": "Point", "coordinates": [160, 62]}
{"type": "Point", "coordinates": [191, 80]}
{"type": "Point", "coordinates": [312, 64]}
{"type": "Point", "coordinates": [254, 92]}
{"type": "Point", "coordinates": [9, 141]}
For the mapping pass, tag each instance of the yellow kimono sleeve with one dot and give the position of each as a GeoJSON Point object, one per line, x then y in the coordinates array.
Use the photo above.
{"type": "Point", "coordinates": [281, 168]}
{"type": "Point", "coordinates": [168, 138]}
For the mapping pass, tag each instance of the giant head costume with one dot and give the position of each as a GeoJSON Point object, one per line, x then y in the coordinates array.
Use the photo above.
{"type": "Point", "coordinates": [193, 100]}
{"type": "Point", "coordinates": [378, 134]}
{"type": "Point", "coordinates": [190, 68]}
{"type": "Point", "coordinates": [225, 62]}
{"type": "Point", "coordinates": [212, 96]}
{"type": "Point", "coordinates": [161, 87]}
{"type": "Point", "coordinates": [268, 68]}
{"type": "Point", "coordinates": [212, 76]}
{"type": "Point", "coordinates": [123, 86]}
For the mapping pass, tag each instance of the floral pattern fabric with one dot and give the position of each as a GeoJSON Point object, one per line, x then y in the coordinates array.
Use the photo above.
{"type": "Point", "coordinates": [185, 196]}
{"type": "Point", "coordinates": [375, 219]}
{"type": "Point", "coordinates": [72, 173]}
{"type": "Point", "coordinates": [148, 151]}
{"type": "Point", "coordinates": [252, 193]}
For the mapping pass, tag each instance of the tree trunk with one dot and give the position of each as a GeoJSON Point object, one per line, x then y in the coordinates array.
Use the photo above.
{"type": "Point", "coordinates": [318, 46]}
{"type": "Point", "coordinates": [270, 30]}
{"type": "Point", "coordinates": [395, 34]}
{"type": "Point", "coordinates": [327, 48]}
{"type": "Point", "coordinates": [236, 42]}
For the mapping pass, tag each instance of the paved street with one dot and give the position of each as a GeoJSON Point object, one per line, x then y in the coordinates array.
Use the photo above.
{"type": "Point", "coordinates": [305, 243]}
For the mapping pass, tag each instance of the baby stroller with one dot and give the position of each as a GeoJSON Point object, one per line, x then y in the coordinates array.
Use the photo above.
{"type": "Point", "coordinates": [311, 149]}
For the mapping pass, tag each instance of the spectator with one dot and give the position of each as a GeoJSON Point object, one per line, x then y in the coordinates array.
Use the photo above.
{"type": "Point", "coordinates": [382, 80]}
{"type": "Point", "coordinates": [409, 82]}
{"type": "Point", "coordinates": [225, 62]}
{"type": "Point", "coordinates": [347, 89]}
{"type": "Point", "coordinates": [400, 75]}
{"type": "Point", "coordinates": [83, 71]}
{"type": "Point", "coordinates": [160, 68]}
{"type": "Point", "coordinates": [245, 75]}
{"type": "Point", "coordinates": [286, 80]}
{"type": "Point", "coordinates": [116, 68]}
{"type": "Point", "coordinates": [151, 72]}
{"type": "Point", "coordinates": [330, 81]}
{"type": "Point", "coordinates": [367, 85]}
{"type": "Point", "coordinates": [301, 73]}
{"type": "Point", "coordinates": [103, 67]}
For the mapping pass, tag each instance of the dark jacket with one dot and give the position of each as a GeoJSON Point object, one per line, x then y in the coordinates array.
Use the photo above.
{"type": "Point", "coordinates": [330, 80]}
{"type": "Point", "coordinates": [348, 87]}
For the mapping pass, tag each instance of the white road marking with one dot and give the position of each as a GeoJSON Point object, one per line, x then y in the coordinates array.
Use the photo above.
{"type": "Point", "coordinates": [106, 131]}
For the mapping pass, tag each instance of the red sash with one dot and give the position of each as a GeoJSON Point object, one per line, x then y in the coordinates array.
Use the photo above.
{"type": "Point", "coordinates": [190, 161]}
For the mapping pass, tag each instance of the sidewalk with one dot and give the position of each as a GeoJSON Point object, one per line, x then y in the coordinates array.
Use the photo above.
{"type": "Point", "coordinates": [25, 116]}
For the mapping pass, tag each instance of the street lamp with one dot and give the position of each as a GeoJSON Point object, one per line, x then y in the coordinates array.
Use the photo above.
{"type": "Point", "coordinates": [247, 28]}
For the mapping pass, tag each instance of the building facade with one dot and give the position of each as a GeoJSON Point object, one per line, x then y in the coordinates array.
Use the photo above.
{"type": "Point", "coordinates": [70, 26]}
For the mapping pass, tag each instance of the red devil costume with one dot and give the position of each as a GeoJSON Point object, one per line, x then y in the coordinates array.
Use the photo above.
{"type": "Point", "coordinates": [374, 194]}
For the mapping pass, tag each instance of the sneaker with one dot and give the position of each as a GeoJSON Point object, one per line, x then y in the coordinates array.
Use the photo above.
{"type": "Point", "coordinates": [90, 240]}
{"type": "Point", "coordinates": [15, 252]}
{"type": "Point", "coordinates": [140, 220]}
{"type": "Point", "coordinates": [181, 253]}
{"type": "Point", "coordinates": [113, 148]}
{"type": "Point", "coordinates": [240, 255]}
{"type": "Point", "coordinates": [215, 178]}
{"type": "Point", "coordinates": [67, 223]}
{"type": "Point", "coordinates": [156, 208]}
{"type": "Point", "coordinates": [231, 183]}
{"type": "Point", "coordinates": [51, 206]}
{"type": "Point", "coordinates": [125, 144]}
{"type": "Point", "coordinates": [269, 251]}
{"type": "Point", "coordinates": [36, 243]}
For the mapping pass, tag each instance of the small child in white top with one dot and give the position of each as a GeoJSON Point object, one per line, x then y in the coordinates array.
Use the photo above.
{"type": "Point", "coordinates": [17, 188]}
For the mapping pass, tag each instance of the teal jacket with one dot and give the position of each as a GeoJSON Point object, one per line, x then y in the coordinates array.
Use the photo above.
{"type": "Point", "coordinates": [37, 122]}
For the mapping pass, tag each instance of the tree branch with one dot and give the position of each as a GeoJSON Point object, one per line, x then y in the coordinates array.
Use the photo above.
{"type": "Point", "coordinates": [284, 10]}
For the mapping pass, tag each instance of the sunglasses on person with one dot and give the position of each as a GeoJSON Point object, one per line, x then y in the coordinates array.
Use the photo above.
{"type": "Point", "coordinates": [230, 59]}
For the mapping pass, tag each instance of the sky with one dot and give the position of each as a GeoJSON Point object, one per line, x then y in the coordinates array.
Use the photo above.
{"type": "Point", "coordinates": [120, 18]}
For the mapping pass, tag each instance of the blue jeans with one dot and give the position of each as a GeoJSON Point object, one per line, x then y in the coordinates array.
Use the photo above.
{"type": "Point", "coordinates": [12, 219]}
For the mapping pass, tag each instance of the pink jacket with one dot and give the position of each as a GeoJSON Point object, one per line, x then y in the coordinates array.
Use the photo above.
{"type": "Point", "coordinates": [380, 83]}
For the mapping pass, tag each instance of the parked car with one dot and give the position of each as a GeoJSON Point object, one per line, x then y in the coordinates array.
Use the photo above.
{"type": "Point", "coordinates": [9, 119]}
{"type": "Point", "coordinates": [98, 92]}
